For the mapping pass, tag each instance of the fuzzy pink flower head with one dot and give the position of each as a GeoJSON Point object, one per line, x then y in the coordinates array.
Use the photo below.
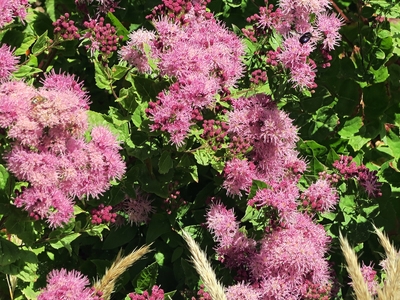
{"type": "Point", "coordinates": [320, 196]}
{"type": "Point", "coordinates": [66, 82]}
{"type": "Point", "coordinates": [306, 7]}
{"type": "Point", "coordinates": [139, 209]}
{"type": "Point", "coordinates": [242, 291]}
{"type": "Point", "coordinates": [294, 57]}
{"type": "Point", "coordinates": [66, 285]}
{"type": "Point", "coordinates": [8, 62]}
{"type": "Point", "coordinates": [12, 8]}
{"type": "Point", "coordinates": [156, 294]}
{"type": "Point", "coordinates": [329, 25]}
{"type": "Point", "coordinates": [290, 255]}
{"type": "Point", "coordinates": [222, 223]}
{"type": "Point", "coordinates": [135, 53]}
{"type": "Point", "coordinates": [238, 176]}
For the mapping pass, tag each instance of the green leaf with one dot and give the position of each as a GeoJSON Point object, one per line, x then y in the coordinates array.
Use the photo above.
{"type": "Point", "coordinates": [165, 163]}
{"type": "Point", "coordinates": [159, 225]}
{"type": "Point", "coordinates": [146, 279]}
{"type": "Point", "coordinates": [351, 127]}
{"type": "Point", "coordinates": [118, 237]}
{"type": "Point", "coordinates": [177, 254]}
{"type": "Point", "coordinates": [65, 242]}
{"type": "Point", "coordinates": [384, 34]}
{"type": "Point", "coordinates": [26, 43]}
{"type": "Point", "coordinates": [4, 177]}
{"type": "Point", "coordinates": [25, 71]}
{"type": "Point", "coordinates": [376, 100]}
{"type": "Point", "coordinates": [9, 252]}
{"type": "Point", "coordinates": [202, 157]}
{"type": "Point", "coordinates": [168, 296]}
{"type": "Point", "coordinates": [121, 30]}
{"type": "Point", "coordinates": [102, 79]}
{"type": "Point", "coordinates": [51, 9]}
{"type": "Point", "coordinates": [40, 44]}
{"type": "Point", "coordinates": [118, 72]}
{"type": "Point", "coordinates": [159, 257]}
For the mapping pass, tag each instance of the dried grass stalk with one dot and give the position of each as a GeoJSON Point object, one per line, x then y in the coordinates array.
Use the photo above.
{"type": "Point", "coordinates": [107, 283]}
{"type": "Point", "coordinates": [390, 290]}
{"type": "Point", "coordinates": [203, 267]}
{"type": "Point", "coordinates": [359, 285]}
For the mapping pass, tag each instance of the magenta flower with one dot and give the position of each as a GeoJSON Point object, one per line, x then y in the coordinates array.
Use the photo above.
{"type": "Point", "coordinates": [369, 275]}
{"type": "Point", "coordinates": [134, 52]}
{"type": "Point", "coordinates": [66, 285]}
{"type": "Point", "coordinates": [243, 291]}
{"type": "Point", "coordinates": [8, 62]}
{"type": "Point", "coordinates": [238, 176]}
{"type": "Point", "coordinates": [12, 8]}
{"type": "Point", "coordinates": [329, 25]}
{"type": "Point", "coordinates": [320, 196]}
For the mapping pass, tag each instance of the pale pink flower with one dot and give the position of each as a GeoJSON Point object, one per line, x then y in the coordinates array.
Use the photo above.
{"type": "Point", "coordinates": [10, 9]}
{"type": "Point", "coordinates": [8, 62]}
{"type": "Point", "coordinates": [66, 285]}
{"type": "Point", "coordinates": [242, 291]}
{"type": "Point", "coordinates": [238, 176]}
{"type": "Point", "coordinates": [329, 25]}
{"type": "Point", "coordinates": [66, 82]}
{"type": "Point", "coordinates": [135, 53]}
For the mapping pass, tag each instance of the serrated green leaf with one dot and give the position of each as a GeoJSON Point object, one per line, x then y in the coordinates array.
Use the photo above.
{"type": "Point", "coordinates": [102, 79]}
{"type": "Point", "coordinates": [146, 279]}
{"type": "Point", "coordinates": [120, 29]}
{"type": "Point", "coordinates": [41, 43]}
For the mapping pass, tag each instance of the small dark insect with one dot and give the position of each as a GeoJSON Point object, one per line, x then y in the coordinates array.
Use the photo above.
{"type": "Point", "coordinates": [305, 38]}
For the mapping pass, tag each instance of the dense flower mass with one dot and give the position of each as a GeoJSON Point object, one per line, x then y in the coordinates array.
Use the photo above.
{"type": "Point", "coordinates": [67, 285]}
{"type": "Point", "coordinates": [49, 151]}
{"type": "Point", "coordinates": [202, 55]}
{"type": "Point", "coordinates": [272, 137]}
{"type": "Point", "coordinates": [8, 62]}
{"type": "Point", "coordinates": [287, 260]}
{"type": "Point", "coordinates": [9, 9]}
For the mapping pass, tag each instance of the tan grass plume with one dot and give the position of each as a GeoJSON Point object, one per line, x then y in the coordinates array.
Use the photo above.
{"type": "Point", "coordinates": [107, 283]}
{"type": "Point", "coordinates": [359, 285]}
{"type": "Point", "coordinates": [203, 267]}
{"type": "Point", "coordinates": [391, 287]}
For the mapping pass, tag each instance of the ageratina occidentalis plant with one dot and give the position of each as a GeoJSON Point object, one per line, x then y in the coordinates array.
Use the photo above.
{"type": "Point", "coordinates": [49, 151]}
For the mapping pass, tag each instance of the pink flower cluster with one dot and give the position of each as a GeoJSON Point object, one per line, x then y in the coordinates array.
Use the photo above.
{"type": "Point", "coordinates": [366, 178]}
{"type": "Point", "coordinates": [272, 137]}
{"type": "Point", "coordinates": [65, 28]}
{"type": "Point", "coordinates": [202, 55]}
{"type": "Point", "coordinates": [320, 196]}
{"type": "Point", "coordinates": [281, 265]}
{"type": "Point", "coordinates": [156, 294]}
{"type": "Point", "coordinates": [8, 62]}
{"type": "Point", "coordinates": [49, 150]}
{"type": "Point", "coordinates": [103, 214]}
{"type": "Point", "coordinates": [68, 285]}
{"type": "Point", "coordinates": [311, 17]}
{"type": "Point", "coordinates": [12, 8]}
{"type": "Point", "coordinates": [102, 38]}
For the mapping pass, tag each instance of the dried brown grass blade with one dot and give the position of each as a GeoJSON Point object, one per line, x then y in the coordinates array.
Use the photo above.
{"type": "Point", "coordinates": [359, 285]}
{"type": "Point", "coordinates": [203, 267]}
{"type": "Point", "coordinates": [107, 283]}
{"type": "Point", "coordinates": [391, 287]}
